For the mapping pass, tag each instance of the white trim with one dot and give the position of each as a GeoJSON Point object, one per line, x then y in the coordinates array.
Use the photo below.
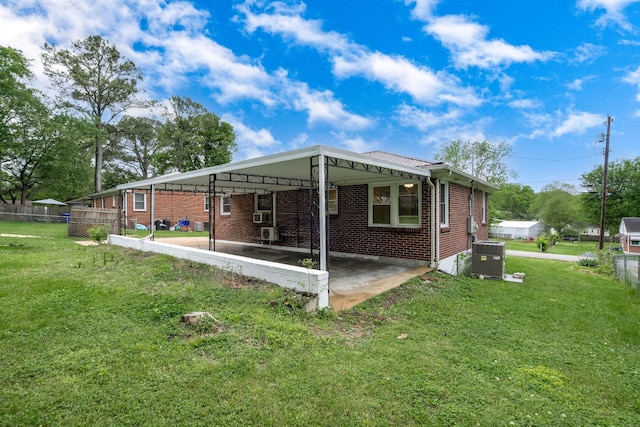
{"type": "Point", "coordinates": [144, 202]}
{"type": "Point", "coordinates": [207, 201]}
{"type": "Point", "coordinates": [484, 207]}
{"type": "Point", "coordinates": [443, 200]}
{"type": "Point", "coordinates": [394, 200]}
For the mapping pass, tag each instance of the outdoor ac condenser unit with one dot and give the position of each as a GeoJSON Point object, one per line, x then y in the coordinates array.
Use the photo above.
{"type": "Point", "coordinates": [487, 259]}
{"type": "Point", "coordinates": [270, 234]}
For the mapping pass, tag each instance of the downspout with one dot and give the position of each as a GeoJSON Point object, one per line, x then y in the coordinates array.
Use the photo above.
{"type": "Point", "coordinates": [273, 206]}
{"type": "Point", "coordinates": [434, 222]}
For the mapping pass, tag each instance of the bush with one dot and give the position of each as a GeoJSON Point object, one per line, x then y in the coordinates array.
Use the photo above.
{"type": "Point", "coordinates": [543, 242]}
{"type": "Point", "coordinates": [99, 233]}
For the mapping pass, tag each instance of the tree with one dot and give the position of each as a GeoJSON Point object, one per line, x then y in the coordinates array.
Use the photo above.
{"type": "Point", "coordinates": [512, 201]}
{"type": "Point", "coordinates": [558, 206]}
{"type": "Point", "coordinates": [482, 159]}
{"type": "Point", "coordinates": [623, 197]}
{"type": "Point", "coordinates": [14, 71]}
{"type": "Point", "coordinates": [95, 81]}
{"type": "Point", "coordinates": [138, 143]}
{"type": "Point", "coordinates": [193, 138]}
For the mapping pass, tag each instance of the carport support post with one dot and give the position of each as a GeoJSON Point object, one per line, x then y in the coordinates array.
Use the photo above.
{"type": "Point", "coordinates": [212, 212]}
{"type": "Point", "coordinates": [322, 212]}
{"type": "Point", "coordinates": [152, 211]}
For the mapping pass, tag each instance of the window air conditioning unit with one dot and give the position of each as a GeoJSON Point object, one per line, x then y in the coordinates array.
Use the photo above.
{"type": "Point", "coordinates": [270, 234]}
{"type": "Point", "coordinates": [262, 217]}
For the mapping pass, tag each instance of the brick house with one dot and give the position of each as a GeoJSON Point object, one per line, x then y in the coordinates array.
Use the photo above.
{"type": "Point", "coordinates": [630, 235]}
{"type": "Point", "coordinates": [376, 204]}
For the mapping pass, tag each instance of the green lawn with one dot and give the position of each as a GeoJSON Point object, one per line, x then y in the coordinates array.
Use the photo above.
{"type": "Point", "coordinates": [90, 336]}
{"type": "Point", "coordinates": [562, 247]}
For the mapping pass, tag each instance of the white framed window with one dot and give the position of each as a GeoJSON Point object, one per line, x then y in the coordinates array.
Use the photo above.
{"type": "Point", "coordinates": [484, 207]}
{"type": "Point", "coordinates": [635, 242]}
{"type": "Point", "coordinates": [332, 201]}
{"type": "Point", "coordinates": [225, 204]}
{"type": "Point", "coordinates": [139, 201]}
{"type": "Point", "coordinates": [394, 205]}
{"type": "Point", "coordinates": [207, 203]}
{"type": "Point", "coordinates": [444, 204]}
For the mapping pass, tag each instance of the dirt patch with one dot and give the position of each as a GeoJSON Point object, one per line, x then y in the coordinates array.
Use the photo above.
{"type": "Point", "coordinates": [343, 301]}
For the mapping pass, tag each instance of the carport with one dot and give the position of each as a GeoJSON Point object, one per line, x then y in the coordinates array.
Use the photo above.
{"type": "Point", "coordinates": [316, 169]}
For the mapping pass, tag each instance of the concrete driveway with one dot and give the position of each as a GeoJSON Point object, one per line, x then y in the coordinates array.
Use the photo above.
{"type": "Point", "coordinates": [352, 279]}
{"type": "Point", "coordinates": [543, 255]}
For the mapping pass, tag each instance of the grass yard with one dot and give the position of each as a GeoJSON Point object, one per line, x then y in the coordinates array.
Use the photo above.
{"type": "Point", "coordinates": [91, 336]}
{"type": "Point", "coordinates": [562, 247]}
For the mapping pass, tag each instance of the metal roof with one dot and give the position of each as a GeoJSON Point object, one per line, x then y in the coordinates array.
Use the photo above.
{"type": "Point", "coordinates": [292, 169]}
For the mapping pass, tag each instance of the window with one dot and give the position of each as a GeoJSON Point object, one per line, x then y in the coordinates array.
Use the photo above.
{"type": "Point", "coordinates": [333, 201]}
{"type": "Point", "coordinates": [635, 243]}
{"type": "Point", "coordinates": [262, 202]}
{"type": "Point", "coordinates": [207, 203]}
{"type": "Point", "coordinates": [139, 201]}
{"type": "Point", "coordinates": [225, 204]}
{"type": "Point", "coordinates": [408, 204]}
{"type": "Point", "coordinates": [444, 204]}
{"type": "Point", "coordinates": [394, 205]}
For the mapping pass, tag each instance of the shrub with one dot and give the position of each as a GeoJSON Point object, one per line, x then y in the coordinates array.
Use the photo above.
{"type": "Point", "coordinates": [99, 233]}
{"type": "Point", "coordinates": [543, 242]}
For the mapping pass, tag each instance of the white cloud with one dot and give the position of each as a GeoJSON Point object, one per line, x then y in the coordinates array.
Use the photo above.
{"type": "Point", "coordinates": [633, 78]}
{"type": "Point", "coordinates": [354, 143]}
{"type": "Point", "coordinates": [613, 11]}
{"type": "Point", "coordinates": [349, 59]}
{"type": "Point", "coordinates": [587, 53]}
{"type": "Point", "coordinates": [410, 116]}
{"type": "Point", "coordinates": [423, 8]}
{"type": "Point", "coordinates": [251, 142]}
{"type": "Point", "coordinates": [576, 123]}
{"type": "Point", "coordinates": [576, 84]}
{"type": "Point", "coordinates": [468, 44]}
{"type": "Point", "coordinates": [322, 107]}
{"type": "Point", "coordinates": [472, 131]}
{"type": "Point", "coordinates": [524, 104]}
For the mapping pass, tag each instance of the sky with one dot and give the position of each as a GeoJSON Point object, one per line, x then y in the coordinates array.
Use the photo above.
{"type": "Point", "coordinates": [402, 76]}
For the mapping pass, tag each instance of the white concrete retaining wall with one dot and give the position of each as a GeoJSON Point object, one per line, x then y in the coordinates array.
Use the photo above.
{"type": "Point", "coordinates": [300, 279]}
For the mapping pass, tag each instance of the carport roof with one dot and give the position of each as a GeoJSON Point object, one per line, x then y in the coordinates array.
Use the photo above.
{"type": "Point", "coordinates": [291, 169]}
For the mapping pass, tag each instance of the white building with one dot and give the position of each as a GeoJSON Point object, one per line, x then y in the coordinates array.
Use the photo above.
{"type": "Point", "coordinates": [517, 230]}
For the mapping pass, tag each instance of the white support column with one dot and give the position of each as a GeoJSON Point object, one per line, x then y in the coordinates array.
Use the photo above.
{"type": "Point", "coordinates": [322, 199]}
{"type": "Point", "coordinates": [153, 209]}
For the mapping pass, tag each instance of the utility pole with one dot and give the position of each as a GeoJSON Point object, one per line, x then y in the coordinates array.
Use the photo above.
{"type": "Point", "coordinates": [603, 206]}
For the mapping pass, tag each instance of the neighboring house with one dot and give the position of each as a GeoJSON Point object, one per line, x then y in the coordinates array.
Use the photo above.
{"type": "Point", "coordinates": [170, 206]}
{"type": "Point", "coordinates": [517, 229]}
{"type": "Point", "coordinates": [325, 199]}
{"type": "Point", "coordinates": [630, 235]}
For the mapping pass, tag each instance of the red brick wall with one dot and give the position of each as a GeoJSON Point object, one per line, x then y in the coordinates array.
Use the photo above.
{"type": "Point", "coordinates": [454, 238]}
{"type": "Point", "coordinates": [348, 230]}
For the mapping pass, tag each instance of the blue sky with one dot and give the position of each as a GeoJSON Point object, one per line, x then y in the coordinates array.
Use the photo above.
{"type": "Point", "coordinates": [403, 76]}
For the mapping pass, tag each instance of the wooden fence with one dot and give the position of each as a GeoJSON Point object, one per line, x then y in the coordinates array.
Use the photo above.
{"type": "Point", "coordinates": [82, 219]}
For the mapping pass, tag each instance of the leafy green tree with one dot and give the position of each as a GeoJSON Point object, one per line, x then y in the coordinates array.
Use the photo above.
{"type": "Point", "coordinates": [14, 74]}
{"type": "Point", "coordinates": [138, 143]}
{"type": "Point", "coordinates": [95, 81]}
{"type": "Point", "coordinates": [623, 197]}
{"type": "Point", "coordinates": [558, 206]}
{"type": "Point", "coordinates": [482, 159]}
{"type": "Point", "coordinates": [192, 138]}
{"type": "Point", "coordinates": [512, 201]}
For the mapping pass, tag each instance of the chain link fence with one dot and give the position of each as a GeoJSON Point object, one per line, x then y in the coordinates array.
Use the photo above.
{"type": "Point", "coordinates": [627, 268]}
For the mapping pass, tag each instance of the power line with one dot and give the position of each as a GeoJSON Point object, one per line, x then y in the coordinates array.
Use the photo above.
{"type": "Point", "coordinates": [553, 160]}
